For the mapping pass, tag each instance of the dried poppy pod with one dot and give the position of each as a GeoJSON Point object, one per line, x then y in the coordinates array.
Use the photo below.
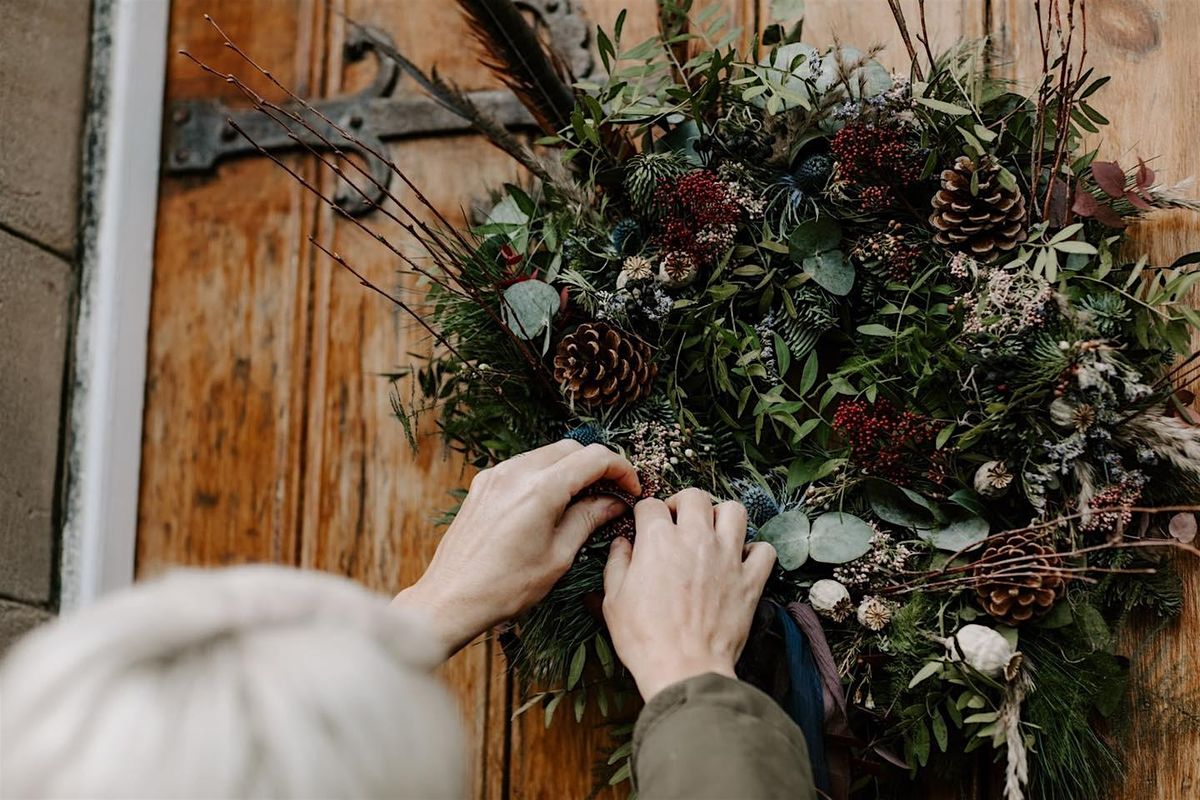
{"type": "Point", "coordinates": [1015, 591]}
{"type": "Point", "coordinates": [975, 213]}
{"type": "Point", "coordinates": [600, 365]}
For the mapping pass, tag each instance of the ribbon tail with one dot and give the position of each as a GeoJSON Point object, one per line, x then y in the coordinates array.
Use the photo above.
{"type": "Point", "coordinates": [837, 717]}
{"type": "Point", "coordinates": [804, 701]}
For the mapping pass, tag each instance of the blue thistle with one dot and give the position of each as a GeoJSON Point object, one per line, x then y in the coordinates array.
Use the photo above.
{"type": "Point", "coordinates": [760, 505]}
{"type": "Point", "coordinates": [814, 172]}
{"type": "Point", "coordinates": [791, 200]}
{"type": "Point", "coordinates": [626, 236]}
{"type": "Point", "coordinates": [587, 434]}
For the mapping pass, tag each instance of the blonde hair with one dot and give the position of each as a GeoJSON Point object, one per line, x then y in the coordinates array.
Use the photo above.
{"type": "Point", "coordinates": [247, 682]}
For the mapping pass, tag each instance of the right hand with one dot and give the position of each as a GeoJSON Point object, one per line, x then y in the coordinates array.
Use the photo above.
{"type": "Point", "coordinates": [680, 601]}
{"type": "Point", "coordinates": [517, 533]}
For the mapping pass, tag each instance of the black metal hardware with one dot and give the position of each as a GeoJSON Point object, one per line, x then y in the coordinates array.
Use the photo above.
{"type": "Point", "coordinates": [200, 133]}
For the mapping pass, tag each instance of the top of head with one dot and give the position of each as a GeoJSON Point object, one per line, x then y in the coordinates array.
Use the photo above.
{"type": "Point", "coordinates": [248, 682]}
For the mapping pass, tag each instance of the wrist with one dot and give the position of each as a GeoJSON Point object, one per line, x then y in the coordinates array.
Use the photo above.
{"type": "Point", "coordinates": [652, 680]}
{"type": "Point", "coordinates": [449, 619]}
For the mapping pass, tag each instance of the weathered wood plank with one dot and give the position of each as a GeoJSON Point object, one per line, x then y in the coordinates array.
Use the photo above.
{"type": "Point", "coordinates": [1149, 49]}
{"type": "Point", "coordinates": [369, 500]}
{"type": "Point", "coordinates": [866, 23]}
{"type": "Point", "coordinates": [229, 318]}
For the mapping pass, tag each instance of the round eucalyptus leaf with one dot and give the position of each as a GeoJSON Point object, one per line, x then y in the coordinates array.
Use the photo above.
{"type": "Point", "coordinates": [788, 533]}
{"type": "Point", "coordinates": [831, 271]}
{"type": "Point", "coordinates": [813, 237]}
{"type": "Point", "coordinates": [837, 538]}
{"type": "Point", "coordinates": [899, 506]}
{"type": "Point", "coordinates": [529, 306]}
{"type": "Point", "coordinates": [961, 531]}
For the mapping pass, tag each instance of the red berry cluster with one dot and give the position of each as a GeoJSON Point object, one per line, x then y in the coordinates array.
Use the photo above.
{"type": "Point", "coordinates": [701, 215]}
{"type": "Point", "coordinates": [881, 438]}
{"type": "Point", "coordinates": [876, 157]}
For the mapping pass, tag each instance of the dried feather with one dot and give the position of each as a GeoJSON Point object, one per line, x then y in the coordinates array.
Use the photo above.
{"type": "Point", "coordinates": [455, 100]}
{"type": "Point", "coordinates": [1170, 437]}
{"type": "Point", "coordinates": [1179, 195]}
{"type": "Point", "coordinates": [512, 49]}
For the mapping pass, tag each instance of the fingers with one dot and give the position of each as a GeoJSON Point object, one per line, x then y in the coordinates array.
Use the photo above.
{"type": "Point", "coordinates": [577, 471]}
{"type": "Point", "coordinates": [619, 554]}
{"type": "Point", "coordinates": [693, 510]}
{"type": "Point", "coordinates": [760, 558]}
{"type": "Point", "coordinates": [545, 456]}
{"type": "Point", "coordinates": [582, 518]}
{"type": "Point", "coordinates": [731, 525]}
{"type": "Point", "coordinates": [651, 514]}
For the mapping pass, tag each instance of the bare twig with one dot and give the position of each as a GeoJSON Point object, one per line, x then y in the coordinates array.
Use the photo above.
{"type": "Point", "coordinates": [902, 26]}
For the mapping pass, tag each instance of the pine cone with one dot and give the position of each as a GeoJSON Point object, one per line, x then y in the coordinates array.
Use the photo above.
{"type": "Point", "coordinates": [1018, 591]}
{"type": "Point", "coordinates": [599, 365]}
{"type": "Point", "coordinates": [986, 222]}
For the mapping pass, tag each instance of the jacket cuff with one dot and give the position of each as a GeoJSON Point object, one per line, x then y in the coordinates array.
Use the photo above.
{"type": "Point", "coordinates": [715, 736]}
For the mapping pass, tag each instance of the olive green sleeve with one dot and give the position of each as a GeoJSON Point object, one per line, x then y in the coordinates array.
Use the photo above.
{"type": "Point", "coordinates": [716, 738]}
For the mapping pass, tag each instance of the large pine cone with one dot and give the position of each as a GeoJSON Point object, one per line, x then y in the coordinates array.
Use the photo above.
{"type": "Point", "coordinates": [599, 365]}
{"type": "Point", "coordinates": [984, 223]}
{"type": "Point", "coordinates": [1022, 591]}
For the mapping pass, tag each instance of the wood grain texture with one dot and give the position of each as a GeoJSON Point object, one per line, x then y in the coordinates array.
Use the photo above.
{"type": "Point", "coordinates": [268, 431]}
{"type": "Point", "coordinates": [1149, 49]}
{"type": "Point", "coordinates": [229, 317]}
{"type": "Point", "coordinates": [866, 23]}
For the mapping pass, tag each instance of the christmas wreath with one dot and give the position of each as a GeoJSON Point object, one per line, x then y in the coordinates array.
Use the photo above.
{"type": "Point", "coordinates": [895, 316]}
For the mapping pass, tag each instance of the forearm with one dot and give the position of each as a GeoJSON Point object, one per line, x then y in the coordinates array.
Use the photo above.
{"type": "Point", "coordinates": [711, 738]}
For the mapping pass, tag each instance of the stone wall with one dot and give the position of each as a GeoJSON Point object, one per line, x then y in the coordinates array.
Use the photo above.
{"type": "Point", "coordinates": [44, 51]}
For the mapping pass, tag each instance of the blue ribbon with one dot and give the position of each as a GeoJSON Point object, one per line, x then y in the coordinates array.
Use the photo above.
{"type": "Point", "coordinates": [804, 701]}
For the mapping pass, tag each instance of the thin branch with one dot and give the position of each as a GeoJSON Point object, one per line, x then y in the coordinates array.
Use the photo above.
{"type": "Point", "coordinates": [902, 25]}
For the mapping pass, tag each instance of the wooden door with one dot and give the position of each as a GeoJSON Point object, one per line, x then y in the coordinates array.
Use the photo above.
{"type": "Point", "coordinates": [269, 434]}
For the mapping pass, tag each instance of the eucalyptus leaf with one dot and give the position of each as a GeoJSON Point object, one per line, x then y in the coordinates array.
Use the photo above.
{"type": "Point", "coordinates": [813, 237]}
{"type": "Point", "coordinates": [899, 506]}
{"type": "Point", "coordinates": [788, 533]}
{"type": "Point", "coordinates": [529, 306]}
{"type": "Point", "coordinates": [837, 538]}
{"type": "Point", "coordinates": [962, 530]}
{"type": "Point", "coordinates": [831, 271]}
{"type": "Point", "coordinates": [682, 139]}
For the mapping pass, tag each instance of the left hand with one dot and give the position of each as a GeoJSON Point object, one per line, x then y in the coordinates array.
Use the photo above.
{"type": "Point", "coordinates": [516, 534]}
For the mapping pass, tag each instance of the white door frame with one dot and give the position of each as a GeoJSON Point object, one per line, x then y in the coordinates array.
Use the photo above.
{"type": "Point", "coordinates": [120, 205]}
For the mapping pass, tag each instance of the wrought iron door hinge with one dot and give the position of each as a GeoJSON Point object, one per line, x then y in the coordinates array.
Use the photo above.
{"type": "Point", "coordinates": [201, 133]}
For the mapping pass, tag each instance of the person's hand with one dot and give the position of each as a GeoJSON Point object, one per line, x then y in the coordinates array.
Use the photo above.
{"type": "Point", "coordinates": [679, 602]}
{"type": "Point", "coordinates": [516, 534]}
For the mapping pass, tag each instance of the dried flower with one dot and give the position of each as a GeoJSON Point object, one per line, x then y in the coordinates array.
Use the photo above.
{"type": "Point", "coordinates": [880, 567]}
{"type": "Point", "coordinates": [993, 478]}
{"type": "Point", "coordinates": [635, 268]}
{"type": "Point", "coordinates": [678, 269]}
{"type": "Point", "coordinates": [874, 613]}
{"type": "Point", "coordinates": [830, 599]}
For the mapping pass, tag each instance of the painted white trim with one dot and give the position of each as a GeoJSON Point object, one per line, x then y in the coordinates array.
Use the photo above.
{"type": "Point", "coordinates": [120, 207]}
